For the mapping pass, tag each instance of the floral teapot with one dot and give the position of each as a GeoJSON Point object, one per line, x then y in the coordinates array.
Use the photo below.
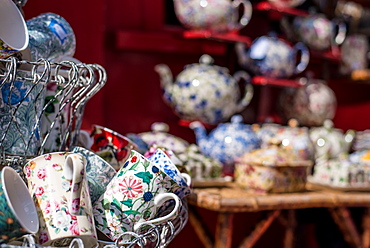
{"type": "Point", "coordinates": [216, 16]}
{"type": "Point", "coordinates": [330, 142]}
{"type": "Point", "coordinates": [227, 141]}
{"type": "Point", "coordinates": [205, 92]}
{"type": "Point", "coordinates": [273, 57]}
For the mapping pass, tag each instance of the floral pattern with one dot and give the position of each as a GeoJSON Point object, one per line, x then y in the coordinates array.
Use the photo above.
{"type": "Point", "coordinates": [59, 215]}
{"type": "Point", "coordinates": [56, 111]}
{"type": "Point", "coordinates": [98, 172]}
{"type": "Point", "coordinates": [21, 103]}
{"type": "Point", "coordinates": [111, 146]}
{"type": "Point", "coordinates": [129, 196]}
{"type": "Point", "coordinates": [50, 37]}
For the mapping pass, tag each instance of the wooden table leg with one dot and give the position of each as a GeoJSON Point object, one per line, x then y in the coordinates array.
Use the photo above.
{"type": "Point", "coordinates": [224, 230]}
{"type": "Point", "coordinates": [290, 228]}
{"type": "Point", "coordinates": [366, 228]}
{"type": "Point", "coordinates": [260, 229]}
{"type": "Point", "coordinates": [199, 227]}
{"type": "Point", "coordinates": [342, 217]}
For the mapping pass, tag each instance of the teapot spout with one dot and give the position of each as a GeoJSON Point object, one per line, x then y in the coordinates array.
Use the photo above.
{"type": "Point", "coordinates": [241, 53]}
{"type": "Point", "coordinates": [165, 74]}
{"type": "Point", "coordinates": [200, 133]}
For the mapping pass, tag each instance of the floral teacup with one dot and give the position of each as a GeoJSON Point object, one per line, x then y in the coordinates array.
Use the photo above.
{"type": "Point", "coordinates": [133, 198]}
{"type": "Point", "coordinates": [98, 172]}
{"type": "Point", "coordinates": [111, 146]}
{"type": "Point", "coordinates": [58, 185]}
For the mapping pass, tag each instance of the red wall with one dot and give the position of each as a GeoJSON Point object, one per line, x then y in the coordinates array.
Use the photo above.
{"type": "Point", "coordinates": [132, 100]}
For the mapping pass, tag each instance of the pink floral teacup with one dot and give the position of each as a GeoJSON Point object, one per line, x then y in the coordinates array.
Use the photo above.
{"type": "Point", "coordinates": [58, 185]}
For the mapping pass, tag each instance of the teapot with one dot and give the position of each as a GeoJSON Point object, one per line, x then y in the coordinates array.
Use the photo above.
{"type": "Point", "coordinates": [318, 32]}
{"type": "Point", "coordinates": [273, 57]}
{"type": "Point", "coordinates": [227, 141]}
{"type": "Point", "coordinates": [213, 15]}
{"type": "Point", "coordinates": [310, 104]}
{"type": "Point", "coordinates": [330, 142]}
{"type": "Point", "coordinates": [205, 92]}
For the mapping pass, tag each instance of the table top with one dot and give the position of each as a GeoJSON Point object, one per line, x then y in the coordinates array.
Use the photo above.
{"type": "Point", "coordinates": [230, 198]}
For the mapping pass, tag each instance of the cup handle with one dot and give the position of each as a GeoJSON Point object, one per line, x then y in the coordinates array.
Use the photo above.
{"type": "Point", "coordinates": [247, 12]}
{"type": "Point", "coordinates": [74, 170]}
{"type": "Point", "coordinates": [158, 201]}
{"type": "Point", "coordinates": [305, 57]}
{"type": "Point", "coordinates": [187, 178]}
{"type": "Point", "coordinates": [342, 31]}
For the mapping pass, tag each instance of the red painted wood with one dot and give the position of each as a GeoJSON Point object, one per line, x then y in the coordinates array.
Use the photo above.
{"type": "Point", "coordinates": [166, 42]}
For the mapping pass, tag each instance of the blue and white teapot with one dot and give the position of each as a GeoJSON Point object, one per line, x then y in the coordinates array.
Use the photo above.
{"type": "Point", "coordinates": [227, 141]}
{"type": "Point", "coordinates": [205, 92]}
{"type": "Point", "coordinates": [273, 57]}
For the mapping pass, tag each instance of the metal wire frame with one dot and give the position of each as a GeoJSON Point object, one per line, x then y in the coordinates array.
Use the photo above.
{"type": "Point", "coordinates": [47, 130]}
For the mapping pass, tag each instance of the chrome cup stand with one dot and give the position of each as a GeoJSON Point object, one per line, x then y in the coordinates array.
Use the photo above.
{"type": "Point", "coordinates": [57, 127]}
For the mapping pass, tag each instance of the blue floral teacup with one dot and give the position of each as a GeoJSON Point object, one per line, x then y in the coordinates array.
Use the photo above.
{"type": "Point", "coordinates": [50, 37]}
{"type": "Point", "coordinates": [21, 104]}
{"type": "Point", "coordinates": [133, 197]}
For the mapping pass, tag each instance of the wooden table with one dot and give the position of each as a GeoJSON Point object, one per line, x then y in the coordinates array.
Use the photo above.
{"type": "Point", "coordinates": [229, 200]}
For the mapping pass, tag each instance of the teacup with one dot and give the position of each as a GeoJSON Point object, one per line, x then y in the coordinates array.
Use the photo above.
{"type": "Point", "coordinates": [50, 37]}
{"type": "Point", "coordinates": [57, 182]}
{"type": "Point", "coordinates": [318, 32]}
{"type": "Point", "coordinates": [18, 214]}
{"type": "Point", "coordinates": [55, 117]}
{"type": "Point", "coordinates": [21, 104]}
{"type": "Point", "coordinates": [165, 164]}
{"type": "Point", "coordinates": [215, 16]}
{"type": "Point", "coordinates": [13, 30]}
{"type": "Point", "coordinates": [133, 198]}
{"type": "Point", "coordinates": [111, 146]}
{"type": "Point", "coordinates": [98, 172]}
{"type": "Point", "coordinates": [273, 57]}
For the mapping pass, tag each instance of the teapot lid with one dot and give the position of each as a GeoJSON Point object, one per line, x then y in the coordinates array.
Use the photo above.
{"type": "Point", "coordinates": [160, 136]}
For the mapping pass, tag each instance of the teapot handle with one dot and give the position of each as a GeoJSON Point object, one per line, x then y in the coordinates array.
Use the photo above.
{"type": "Point", "coordinates": [247, 12]}
{"type": "Point", "coordinates": [305, 57]}
{"type": "Point", "coordinates": [74, 170]}
{"type": "Point", "coordinates": [339, 38]}
{"type": "Point", "coordinates": [248, 95]}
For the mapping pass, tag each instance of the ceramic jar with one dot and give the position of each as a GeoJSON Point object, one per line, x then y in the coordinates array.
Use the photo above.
{"type": "Point", "coordinates": [310, 104]}
{"type": "Point", "coordinates": [273, 170]}
{"type": "Point", "coordinates": [205, 92]}
{"type": "Point", "coordinates": [273, 57]}
{"type": "Point", "coordinates": [292, 137]}
{"type": "Point", "coordinates": [227, 141]}
{"type": "Point", "coordinates": [213, 15]}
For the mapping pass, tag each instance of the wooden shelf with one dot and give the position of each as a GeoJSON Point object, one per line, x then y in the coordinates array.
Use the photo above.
{"type": "Point", "coordinates": [267, 6]}
{"type": "Point", "coordinates": [223, 37]}
{"type": "Point", "coordinates": [165, 42]}
{"type": "Point", "coordinates": [260, 80]}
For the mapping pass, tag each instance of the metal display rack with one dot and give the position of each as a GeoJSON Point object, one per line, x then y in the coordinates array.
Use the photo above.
{"type": "Point", "coordinates": [41, 109]}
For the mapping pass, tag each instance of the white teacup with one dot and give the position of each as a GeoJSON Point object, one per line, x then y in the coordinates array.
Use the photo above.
{"type": "Point", "coordinates": [13, 29]}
